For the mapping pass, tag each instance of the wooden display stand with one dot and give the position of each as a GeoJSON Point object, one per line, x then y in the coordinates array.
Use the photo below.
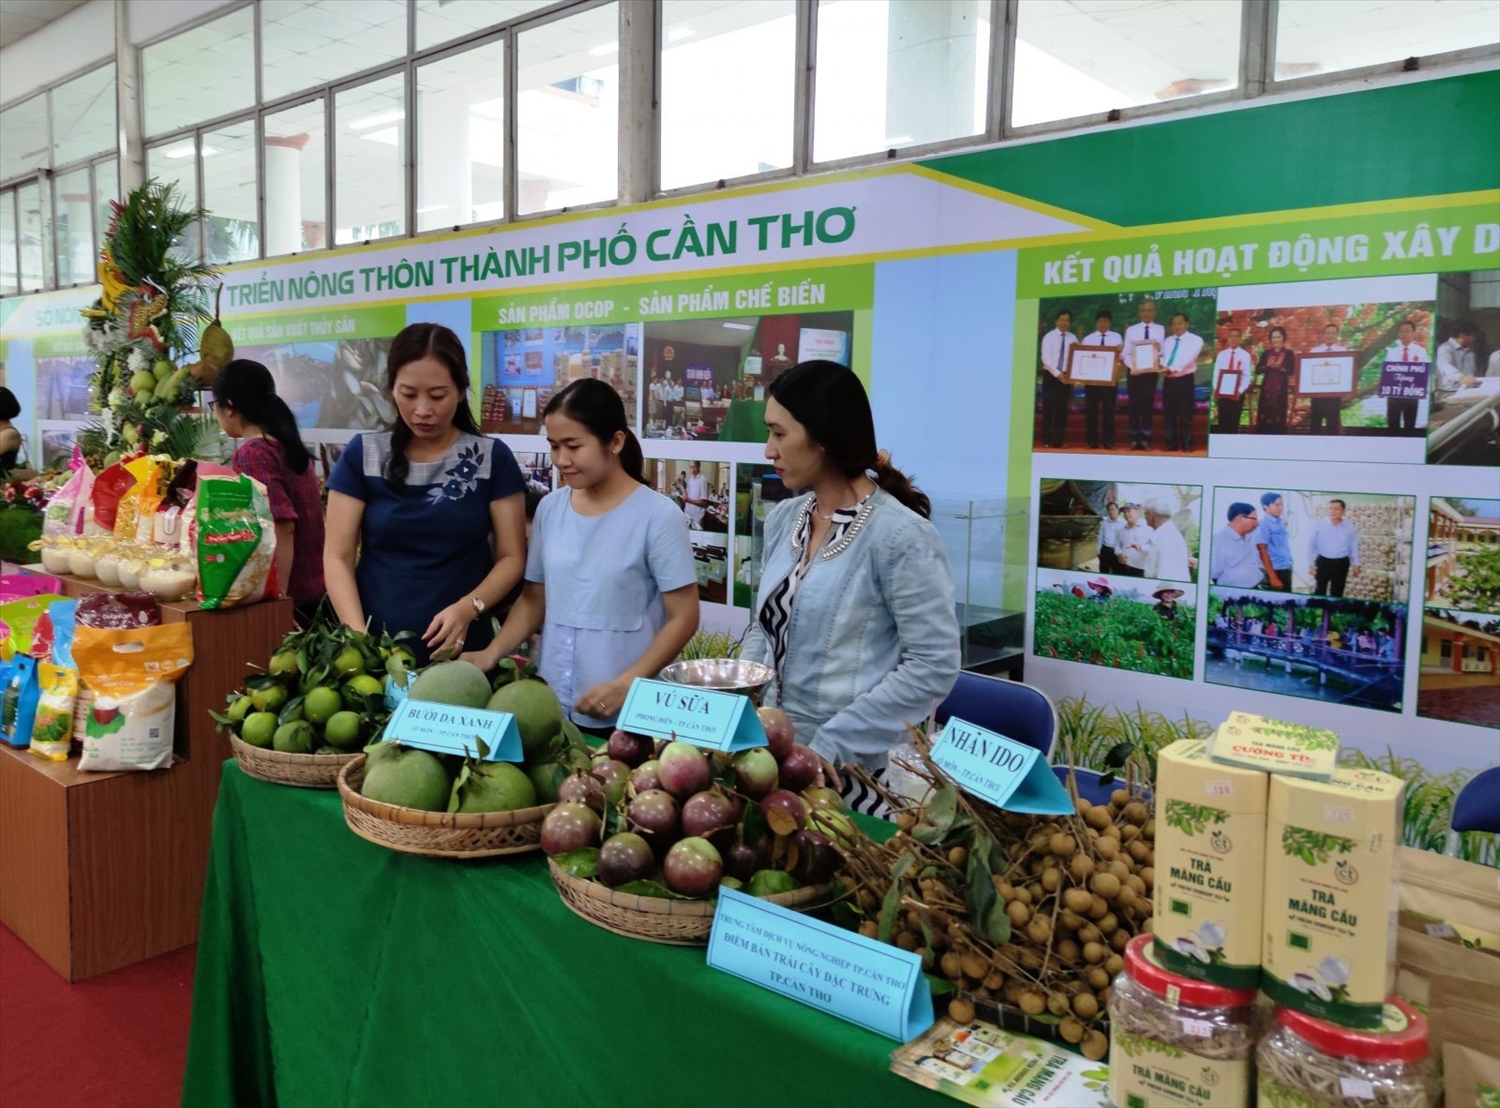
{"type": "Point", "coordinates": [101, 870]}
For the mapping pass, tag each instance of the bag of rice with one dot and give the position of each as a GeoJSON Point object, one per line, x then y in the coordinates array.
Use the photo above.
{"type": "Point", "coordinates": [235, 540]}
{"type": "Point", "coordinates": [52, 733]}
{"type": "Point", "coordinates": [131, 674]}
{"type": "Point", "coordinates": [64, 515]}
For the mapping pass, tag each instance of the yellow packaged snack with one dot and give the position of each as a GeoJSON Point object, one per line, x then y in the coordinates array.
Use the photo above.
{"type": "Point", "coordinates": [131, 674]}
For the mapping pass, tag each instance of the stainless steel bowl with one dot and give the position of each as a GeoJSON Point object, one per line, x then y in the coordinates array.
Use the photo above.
{"type": "Point", "coordinates": [722, 675]}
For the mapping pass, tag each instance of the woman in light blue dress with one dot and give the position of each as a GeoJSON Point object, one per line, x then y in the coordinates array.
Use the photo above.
{"type": "Point", "coordinates": [610, 579]}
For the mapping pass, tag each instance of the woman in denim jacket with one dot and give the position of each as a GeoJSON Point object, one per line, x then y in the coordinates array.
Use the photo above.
{"type": "Point", "coordinates": [855, 611]}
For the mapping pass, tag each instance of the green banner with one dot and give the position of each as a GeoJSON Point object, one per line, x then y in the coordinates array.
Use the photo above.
{"type": "Point", "coordinates": [323, 325]}
{"type": "Point", "coordinates": [1434, 240]}
{"type": "Point", "coordinates": [70, 345]}
{"type": "Point", "coordinates": [821, 289]}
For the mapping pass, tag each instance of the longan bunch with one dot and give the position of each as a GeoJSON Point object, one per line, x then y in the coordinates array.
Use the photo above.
{"type": "Point", "coordinates": [1075, 888]}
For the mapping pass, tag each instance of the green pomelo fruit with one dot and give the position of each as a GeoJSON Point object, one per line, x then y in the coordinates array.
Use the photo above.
{"type": "Point", "coordinates": [379, 750]}
{"type": "Point", "coordinates": [272, 698]}
{"type": "Point", "coordinates": [349, 662]}
{"type": "Point", "coordinates": [546, 778]}
{"type": "Point", "coordinates": [342, 730]}
{"type": "Point", "coordinates": [295, 738]}
{"type": "Point", "coordinates": [259, 728]}
{"type": "Point", "coordinates": [283, 663]}
{"type": "Point", "coordinates": [460, 684]}
{"type": "Point", "coordinates": [321, 704]}
{"type": "Point", "coordinates": [162, 369]}
{"type": "Point", "coordinates": [770, 882]}
{"type": "Point", "coordinates": [538, 714]}
{"type": "Point", "coordinates": [410, 778]}
{"type": "Point", "coordinates": [365, 684]}
{"type": "Point", "coordinates": [142, 381]}
{"type": "Point", "coordinates": [240, 709]}
{"type": "Point", "coordinates": [495, 787]}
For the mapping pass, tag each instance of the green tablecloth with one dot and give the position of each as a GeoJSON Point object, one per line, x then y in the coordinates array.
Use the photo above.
{"type": "Point", "coordinates": [332, 971]}
{"type": "Point", "coordinates": [744, 422]}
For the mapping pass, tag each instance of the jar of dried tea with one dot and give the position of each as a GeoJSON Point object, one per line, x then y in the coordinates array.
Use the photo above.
{"type": "Point", "coordinates": [1305, 1060]}
{"type": "Point", "coordinates": [1177, 1041]}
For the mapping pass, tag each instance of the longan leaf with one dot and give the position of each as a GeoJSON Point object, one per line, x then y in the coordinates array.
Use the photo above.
{"type": "Point", "coordinates": [579, 863]}
{"type": "Point", "coordinates": [979, 894]}
{"type": "Point", "coordinates": [890, 907]}
{"type": "Point", "coordinates": [997, 924]}
{"type": "Point", "coordinates": [941, 986]}
{"type": "Point", "coordinates": [942, 808]}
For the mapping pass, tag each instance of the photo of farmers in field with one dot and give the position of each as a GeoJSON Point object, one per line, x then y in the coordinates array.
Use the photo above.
{"type": "Point", "coordinates": [1343, 367]}
{"type": "Point", "coordinates": [1324, 543]}
{"type": "Point", "coordinates": [1464, 429]}
{"type": "Point", "coordinates": [1125, 372]}
{"type": "Point", "coordinates": [1316, 647]}
{"type": "Point", "coordinates": [1131, 623]}
{"type": "Point", "coordinates": [337, 385]}
{"type": "Point", "coordinates": [1109, 527]}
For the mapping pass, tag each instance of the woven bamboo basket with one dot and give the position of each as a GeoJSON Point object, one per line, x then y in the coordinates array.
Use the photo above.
{"type": "Point", "coordinates": [437, 834]}
{"type": "Point", "coordinates": [305, 771]}
{"type": "Point", "coordinates": [657, 919]}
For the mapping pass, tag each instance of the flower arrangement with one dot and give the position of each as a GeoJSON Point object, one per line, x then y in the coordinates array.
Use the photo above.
{"type": "Point", "coordinates": [144, 326]}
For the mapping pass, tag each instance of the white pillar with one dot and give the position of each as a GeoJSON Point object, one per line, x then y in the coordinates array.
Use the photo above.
{"type": "Point", "coordinates": [933, 48]}
{"type": "Point", "coordinates": [284, 193]}
{"type": "Point", "coordinates": [445, 185]}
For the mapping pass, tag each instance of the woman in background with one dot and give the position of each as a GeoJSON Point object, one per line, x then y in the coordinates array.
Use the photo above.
{"type": "Point", "coordinates": [11, 443]}
{"type": "Point", "coordinates": [610, 579]}
{"type": "Point", "coordinates": [271, 450]}
{"type": "Point", "coordinates": [855, 611]}
{"type": "Point", "coordinates": [426, 521]}
{"type": "Point", "coordinates": [1276, 368]}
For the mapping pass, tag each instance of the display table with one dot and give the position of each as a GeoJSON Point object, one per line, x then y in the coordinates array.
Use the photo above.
{"type": "Point", "coordinates": [101, 870]}
{"type": "Point", "coordinates": [333, 972]}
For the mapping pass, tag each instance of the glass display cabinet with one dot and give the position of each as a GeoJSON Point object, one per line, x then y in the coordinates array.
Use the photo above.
{"type": "Point", "coordinates": [986, 544]}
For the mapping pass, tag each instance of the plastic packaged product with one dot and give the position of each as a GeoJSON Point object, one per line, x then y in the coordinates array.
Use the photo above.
{"type": "Point", "coordinates": [132, 674]}
{"type": "Point", "coordinates": [114, 611]}
{"type": "Point", "coordinates": [52, 733]}
{"type": "Point", "coordinates": [1311, 1062]}
{"type": "Point", "coordinates": [81, 560]}
{"type": "Point", "coordinates": [1177, 1041]}
{"type": "Point", "coordinates": [21, 617]}
{"type": "Point", "coordinates": [107, 568]}
{"type": "Point", "coordinates": [168, 579]}
{"type": "Point", "coordinates": [235, 539]}
{"type": "Point", "coordinates": [55, 554]}
{"type": "Point", "coordinates": [18, 699]}
{"type": "Point", "coordinates": [64, 515]}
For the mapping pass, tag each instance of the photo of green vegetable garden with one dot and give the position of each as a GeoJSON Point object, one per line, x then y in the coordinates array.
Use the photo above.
{"type": "Point", "coordinates": [1118, 632]}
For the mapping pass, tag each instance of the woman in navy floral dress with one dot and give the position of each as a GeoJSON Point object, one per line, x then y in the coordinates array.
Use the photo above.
{"type": "Point", "coordinates": [426, 526]}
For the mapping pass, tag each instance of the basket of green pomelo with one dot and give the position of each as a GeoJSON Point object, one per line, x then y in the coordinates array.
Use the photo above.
{"type": "Point", "coordinates": [444, 806]}
{"type": "Point", "coordinates": [314, 706]}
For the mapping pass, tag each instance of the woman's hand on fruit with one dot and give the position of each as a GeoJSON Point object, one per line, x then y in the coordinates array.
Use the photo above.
{"type": "Point", "coordinates": [486, 659]}
{"type": "Point", "coordinates": [830, 774]}
{"type": "Point", "coordinates": [449, 628]}
{"type": "Point", "coordinates": [604, 699]}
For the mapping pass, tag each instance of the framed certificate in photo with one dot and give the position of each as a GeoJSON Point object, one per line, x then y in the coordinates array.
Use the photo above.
{"type": "Point", "coordinates": [1331, 374]}
{"type": "Point", "coordinates": [1146, 357]}
{"type": "Point", "coordinates": [1090, 365]}
{"type": "Point", "coordinates": [1227, 383]}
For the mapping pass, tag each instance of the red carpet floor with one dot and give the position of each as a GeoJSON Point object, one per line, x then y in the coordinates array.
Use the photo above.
{"type": "Point", "coordinates": [115, 1041]}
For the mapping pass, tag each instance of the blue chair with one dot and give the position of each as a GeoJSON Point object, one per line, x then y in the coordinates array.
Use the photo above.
{"type": "Point", "coordinates": [1478, 805]}
{"type": "Point", "coordinates": [1089, 786]}
{"type": "Point", "coordinates": [1017, 711]}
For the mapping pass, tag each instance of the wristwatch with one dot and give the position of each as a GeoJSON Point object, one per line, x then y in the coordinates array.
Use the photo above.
{"type": "Point", "coordinates": [478, 603]}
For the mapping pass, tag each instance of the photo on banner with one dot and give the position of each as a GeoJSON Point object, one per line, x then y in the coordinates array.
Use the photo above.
{"type": "Point", "coordinates": [1155, 398]}
{"type": "Point", "coordinates": [1119, 528]}
{"type": "Point", "coordinates": [1129, 623]}
{"type": "Point", "coordinates": [706, 379]}
{"type": "Point", "coordinates": [701, 491]}
{"type": "Point", "coordinates": [1459, 678]}
{"type": "Point", "coordinates": [1465, 424]}
{"type": "Point", "coordinates": [536, 470]}
{"type": "Point", "coordinates": [521, 369]}
{"type": "Point", "coordinates": [757, 490]}
{"type": "Point", "coordinates": [1313, 542]}
{"type": "Point", "coordinates": [62, 386]}
{"type": "Point", "coordinates": [1316, 647]}
{"type": "Point", "coordinates": [57, 447]}
{"type": "Point", "coordinates": [334, 384]}
{"type": "Point", "coordinates": [1324, 370]}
